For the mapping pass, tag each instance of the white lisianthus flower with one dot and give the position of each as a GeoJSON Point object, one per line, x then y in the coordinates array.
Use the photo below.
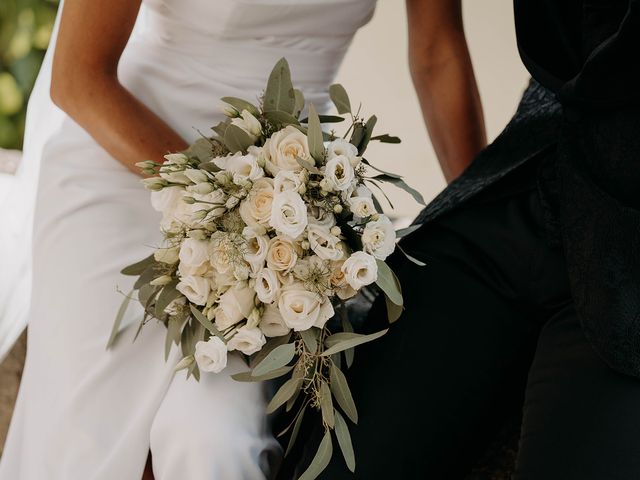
{"type": "Point", "coordinates": [195, 288]}
{"type": "Point", "coordinates": [211, 356]}
{"type": "Point", "coordinates": [175, 177]}
{"type": "Point", "coordinates": [324, 244]}
{"type": "Point", "coordinates": [167, 200]}
{"type": "Point", "coordinates": [167, 255]}
{"type": "Point", "coordinates": [339, 173]}
{"type": "Point", "coordinates": [256, 249]}
{"type": "Point", "coordinates": [234, 305]}
{"type": "Point", "coordinates": [321, 217]}
{"type": "Point", "coordinates": [379, 237]}
{"type": "Point", "coordinates": [289, 214]}
{"type": "Point", "coordinates": [287, 181]}
{"type": "Point", "coordinates": [196, 175]}
{"type": "Point", "coordinates": [284, 147]}
{"type": "Point", "coordinates": [360, 269]}
{"type": "Point", "coordinates": [341, 147]}
{"type": "Point", "coordinates": [247, 340]}
{"type": "Point", "coordinates": [267, 285]}
{"type": "Point", "coordinates": [338, 281]}
{"type": "Point", "coordinates": [177, 158]}
{"type": "Point", "coordinates": [282, 254]}
{"type": "Point", "coordinates": [194, 257]}
{"type": "Point", "coordinates": [256, 208]}
{"type": "Point", "coordinates": [362, 206]}
{"type": "Point", "coordinates": [302, 309]}
{"type": "Point", "coordinates": [272, 323]}
{"type": "Point", "coordinates": [247, 122]}
{"type": "Point", "coordinates": [242, 167]}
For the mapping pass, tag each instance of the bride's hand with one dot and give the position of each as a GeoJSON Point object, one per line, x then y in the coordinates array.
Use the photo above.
{"type": "Point", "coordinates": [85, 84]}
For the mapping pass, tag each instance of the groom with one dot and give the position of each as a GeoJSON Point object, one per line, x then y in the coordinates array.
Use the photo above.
{"type": "Point", "coordinates": [531, 292]}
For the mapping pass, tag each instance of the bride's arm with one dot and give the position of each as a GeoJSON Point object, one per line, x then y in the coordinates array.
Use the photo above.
{"type": "Point", "coordinates": [444, 81]}
{"type": "Point", "coordinates": [84, 82]}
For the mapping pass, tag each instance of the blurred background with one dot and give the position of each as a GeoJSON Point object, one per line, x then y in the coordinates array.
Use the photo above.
{"type": "Point", "coordinates": [375, 73]}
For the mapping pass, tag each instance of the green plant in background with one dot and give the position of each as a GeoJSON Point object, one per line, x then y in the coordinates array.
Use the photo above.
{"type": "Point", "coordinates": [25, 30]}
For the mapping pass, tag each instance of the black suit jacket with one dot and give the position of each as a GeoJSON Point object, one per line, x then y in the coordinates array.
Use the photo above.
{"type": "Point", "coordinates": [585, 103]}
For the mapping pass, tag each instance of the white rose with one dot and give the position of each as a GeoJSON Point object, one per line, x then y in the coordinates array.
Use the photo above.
{"type": "Point", "coordinates": [379, 237]}
{"type": "Point", "coordinates": [286, 181]}
{"type": "Point", "coordinates": [247, 340]}
{"type": "Point", "coordinates": [167, 200]}
{"type": "Point", "coordinates": [247, 122]}
{"type": "Point", "coordinates": [339, 173]}
{"type": "Point", "coordinates": [271, 323]}
{"type": "Point", "coordinates": [289, 214]}
{"type": "Point", "coordinates": [255, 209]}
{"type": "Point", "coordinates": [196, 289]}
{"type": "Point", "coordinates": [339, 147]}
{"type": "Point", "coordinates": [194, 257]}
{"type": "Point", "coordinates": [362, 206]}
{"type": "Point", "coordinates": [234, 305]}
{"type": "Point", "coordinates": [282, 254]}
{"type": "Point", "coordinates": [360, 269]}
{"type": "Point", "coordinates": [267, 285]}
{"type": "Point", "coordinates": [256, 249]}
{"type": "Point", "coordinates": [211, 356]}
{"type": "Point", "coordinates": [302, 309]}
{"type": "Point", "coordinates": [323, 243]}
{"type": "Point", "coordinates": [283, 149]}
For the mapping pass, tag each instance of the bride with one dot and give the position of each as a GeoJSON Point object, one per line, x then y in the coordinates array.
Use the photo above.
{"type": "Point", "coordinates": [124, 82]}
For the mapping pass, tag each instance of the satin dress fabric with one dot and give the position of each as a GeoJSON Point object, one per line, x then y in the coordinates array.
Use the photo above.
{"type": "Point", "coordinates": [87, 413]}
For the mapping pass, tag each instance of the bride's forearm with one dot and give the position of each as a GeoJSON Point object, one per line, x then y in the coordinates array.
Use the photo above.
{"type": "Point", "coordinates": [118, 121]}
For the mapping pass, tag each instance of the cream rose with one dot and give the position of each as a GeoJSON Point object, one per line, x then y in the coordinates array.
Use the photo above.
{"type": "Point", "coordinates": [339, 173]}
{"type": "Point", "coordinates": [234, 305]}
{"type": "Point", "coordinates": [302, 309]}
{"type": "Point", "coordinates": [271, 323]}
{"type": "Point", "coordinates": [255, 209]}
{"type": "Point", "coordinates": [282, 254]}
{"type": "Point", "coordinates": [283, 149]}
{"type": "Point", "coordinates": [360, 269]}
{"type": "Point", "coordinates": [323, 243]}
{"type": "Point", "coordinates": [379, 237]}
{"type": "Point", "coordinates": [211, 356]}
{"type": "Point", "coordinates": [289, 214]}
{"type": "Point", "coordinates": [247, 340]}
{"type": "Point", "coordinates": [195, 288]}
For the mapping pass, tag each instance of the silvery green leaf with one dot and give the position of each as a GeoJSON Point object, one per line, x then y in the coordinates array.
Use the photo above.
{"type": "Point", "coordinates": [326, 405]}
{"type": "Point", "coordinates": [386, 139]}
{"type": "Point", "coordinates": [368, 130]}
{"type": "Point", "coordinates": [206, 323]}
{"type": "Point", "coordinates": [344, 440]}
{"type": "Point", "coordinates": [413, 259]}
{"type": "Point", "coordinates": [403, 232]}
{"type": "Point", "coordinates": [314, 135]}
{"type": "Point", "coordinates": [194, 370]}
{"type": "Point", "coordinates": [379, 191]}
{"type": "Point", "coordinates": [321, 459]}
{"type": "Point", "coordinates": [279, 94]}
{"type": "Point", "coordinates": [340, 389]}
{"type": "Point", "coordinates": [184, 363]}
{"type": "Point", "coordinates": [209, 167]}
{"type": "Point", "coordinates": [240, 105]}
{"type": "Point", "coordinates": [145, 294]}
{"type": "Point", "coordinates": [174, 330]}
{"type": "Point", "coordinates": [400, 183]}
{"type": "Point", "coordinates": [284, 393]}
{"type": "Point", "coordinates": [353, 342]}
{"type": "Point", "coordinates": [200, 150]}
{"type": "Point", "coordinates": [299, 102]}
{"type": "Point", "coordinates": [310, 339]}
{"type": "Point", "coordinates": [115, 330]}
{"type": "Point", "coordinates": [279, 357]}
{"type": "Point", "coordinates": [348, 328]}
{"type": "Point", "coordinates": [191, 334]}
{"type": "Point", "coordinates": [296, 429]}
{"type": "Point", "coordinates": [357, 135]}
{"type": "Point", "coordinates": [325, 119]}
{"type": "Point", "coordinates": [340, 98]}
{"type": "Point", "coordinates": [277, 117]}
{"type": "Point", "coordinates": [167, 295]}
{"type": "Point", "coordinates": [151, 272]}
{"type": "Point", "coordinates": [366, 162]}
{"type": "Point", "coordinates": [139, 267]}
{"type": "Point", "coordinates": [308, 165]}
{"type": "Point", "coordinates": [394, 312]}
{"type": "Point", "coordinates": [388, 282]}
{"type": "Point", "coordinates": [247, 377]}
{"type": "Point", "coordinates": [236, 139]}
{"type": "Point", "coordinates": [221, 128]}
{"type": "Point", "coordinates": [340, 337]}
{"type": "Point", "coordinates": [268, 347]}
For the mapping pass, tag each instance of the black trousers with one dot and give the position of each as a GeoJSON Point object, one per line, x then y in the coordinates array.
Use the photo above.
{"type": "Point", "coordinates": [489, 327]}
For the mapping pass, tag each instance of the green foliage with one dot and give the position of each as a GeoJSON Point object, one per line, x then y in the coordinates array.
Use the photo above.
{"type": "Point", "coordinates": [25, 30]}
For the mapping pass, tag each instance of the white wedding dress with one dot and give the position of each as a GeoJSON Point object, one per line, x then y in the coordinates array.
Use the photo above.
{"type": "Point", "coordinates": [86, 413]}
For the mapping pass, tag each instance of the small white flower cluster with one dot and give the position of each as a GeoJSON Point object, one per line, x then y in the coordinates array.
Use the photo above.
{"type": "Point", "coordinates": [257, 241]}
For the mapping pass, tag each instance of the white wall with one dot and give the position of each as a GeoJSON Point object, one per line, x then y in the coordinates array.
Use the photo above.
{"type": "Point", "coordinates": [376, 73]}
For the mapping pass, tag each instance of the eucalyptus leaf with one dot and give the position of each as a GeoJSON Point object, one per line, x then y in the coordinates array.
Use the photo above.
{"type": "Point", "coordinates": [278, 117]}
{"type": "Point", "coordinates": [167, 295]}
{"type": "Point", "coordinates": [411, 258]}
{"type": "Point", "coordinates": [221, 128]}
{"type": "Point", "coordinates": [145, 293]}
{"type": "Point", "coordinates": [340, 337]}
{"type": "Point", "coordinates": [206, 323]}
{"type": "Point", "coordinates": [348, 328]}
{"type": "Point", "coordinates": [403, 232]}
{"type": "Point", "coordinates": [357, 135]}
{"type": "Point", "coordinates": [174, 330]}
{"type": "Point", "coordinates": [366, 162]}
{"type": "Point", "coordinates": [139, 267]}
{"type": "Point", "coordinates": [239, 104]}
{"type": "Point", "coordinates": [368, 130]}
{"type": "Point", "coordinates": [310, 339]}
{"type": "Point", "coordinates": [387, 139]}
{"type": "Point", "coordinates": [314, 135]}
{"type": "Point", "coordinates": [344, 440]}
{"type": "Point", "coordinates": [321, 458]}
{"type": "Point", "coordinates": [326, 405]}
{"type": "Point", "coordinates": [298, 101]}
{"type": "Point", "coordinates": [354, 342]}
{"type": "Point", "coordinates": [150, 273]}
{"type": "Point", "coordinates": [394, 312]}
{"type": "Point", "coordinates": [284, 393]}
{"type": "Point", "coordinates": [115, 329]}
{"type": "Point", "coordinates": [296, 429]}
{"type": "Point", "coordinates": [380, 191]}
{"type": "Point", "coordinates": [400, 183]}
{"type": "Point", "coordinates": [236, 139]}
{"type": "Point", "coordinates": [340, 98]}
{"type": "Point", "coordinates": [279, 357]}
{"type": "Point", "coordinates": [268, 347]}
{"type": "Point", "coordinates": [191, 334]}
{"type": "Point", "coordinates": [340, 389]}
{"type": "Point", "coordinates": [292, 401]}
{"type": "Point", "coordinates": [247, 377]}
{"type": "Point", "coordinates": [279, 94]}
{"type": "Point", "coordinates": [325, 119]}
{"type": "Point", "coordinates": [388, 282]}
{"type": "Point", "coordinates": [308, 165]}
{"type": "Point", "coordinates": [184, 363]}
{"type": "Point", "coordinates": [200, 150]}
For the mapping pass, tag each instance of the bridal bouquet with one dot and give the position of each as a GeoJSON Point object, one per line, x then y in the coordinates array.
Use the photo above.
{"type": "Point", "coordinates": [270, 225]}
